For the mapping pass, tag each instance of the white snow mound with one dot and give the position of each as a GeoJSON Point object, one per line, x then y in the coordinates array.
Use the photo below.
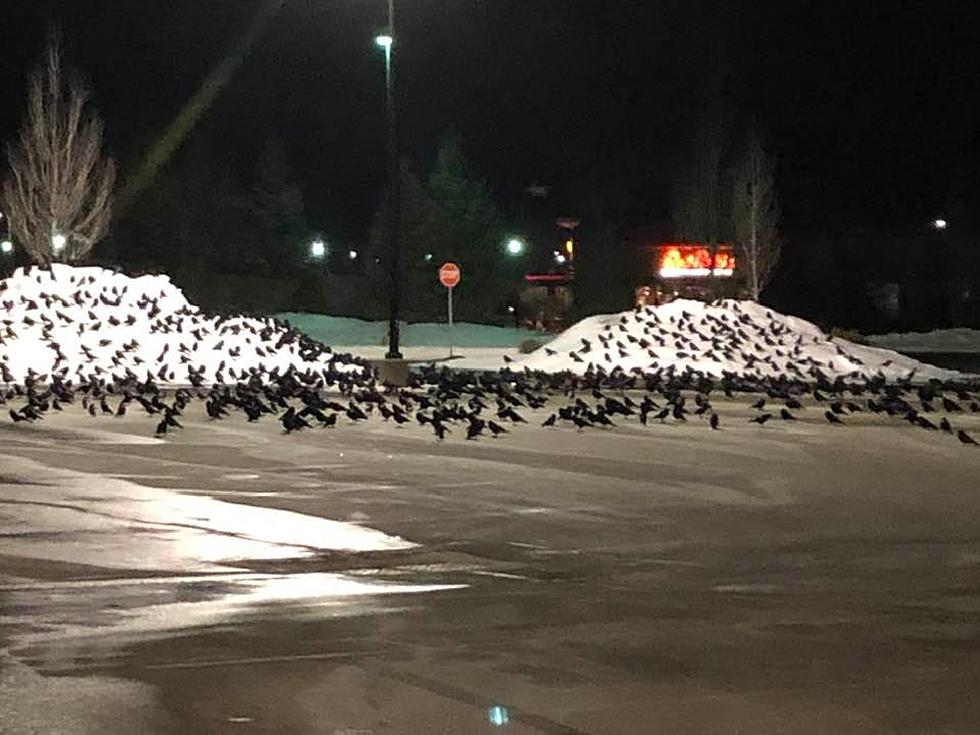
{"type": "Point", "coordinates": [83, 323]}
{"type": "Point", "coordinates": [741, 338]}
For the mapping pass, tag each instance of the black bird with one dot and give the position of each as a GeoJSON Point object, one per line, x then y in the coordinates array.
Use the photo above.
{"type": "Point", "coordinates": [785, 415]}
{"type": "Point", "coordinates": [951, 406]}
{"type": "Point", "coordinates": [496, 429]}
{"type": "Point", "coordinates": [440, 429]}
{"type": "Point", "coordinates": [475, 428]}
{"type": "Point", "coordinates": [759, 404]}
{"type": "Point", "coordinates": [354, 413]}
{"type": "Point", "coordinates": [945, 425]}
{"type": "Point", "coordinates": [550, 421]}
{"type": "Point", "coordinates": [964, 437]}
{"type": "Point", "coordinates": [713, 421]}
{"type": "Point", "coordinates": [832, 417]}
{"type": "Point", "coordinates": [761, 418]}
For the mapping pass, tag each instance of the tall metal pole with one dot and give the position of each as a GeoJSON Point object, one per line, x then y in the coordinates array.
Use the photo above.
{"type": "Point", "coordinates": [394, 205]}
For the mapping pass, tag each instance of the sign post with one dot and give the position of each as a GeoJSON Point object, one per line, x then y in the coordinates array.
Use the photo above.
{"type": "Point", "coordinates": [449, 276]}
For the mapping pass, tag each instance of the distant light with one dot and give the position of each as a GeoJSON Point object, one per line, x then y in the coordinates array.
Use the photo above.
{"type": "Point", "coordinates": [318, 249]}
{"type": "Point", "coordinates": [498, 716]}
{"type": "Point", "coordinates": [58, 242]}
{"type": "Point", "coordinates": [6, 247]}
{"type": "Point", "coordinates": [560, 259]}
{"type": "Point", "coordinates": [352, 254]}
{"type": "Point", "coordinates": [515, 246]}
{"type": "Point", "coordinates": [939, 224]}
{"type": "Point", "coordinates": [570, 247]}
{"type": "Point", "coordinates": [428, 257]}
{"type": "Point", "coordinates": [384, 41]}
{"type": "Point", "coordinates": [510, 308]}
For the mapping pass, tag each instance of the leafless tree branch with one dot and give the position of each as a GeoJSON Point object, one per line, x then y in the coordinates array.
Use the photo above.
{"type": "Point", "coordinates": [755, 214]}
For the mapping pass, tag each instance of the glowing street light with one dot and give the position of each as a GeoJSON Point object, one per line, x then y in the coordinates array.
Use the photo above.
{"type": "Point", "coordinates": [428, 257]}
{"type": "Point", "coordinates": [58, 242]}
{"type": "Point", "coordinates": [384, 41]}
{"type": "Point", "coordinates": [560, 258]}
{"type": "Point", "coordinates": [352, 254]}
{"type": "Point", "coordinates": [6, 247]}
{"type": "Point", "coordinates": [939, 224]}
{"type": "Point", "coordinates": [515, 246]}
{"type": "Point", "coordinates": [318, 249]}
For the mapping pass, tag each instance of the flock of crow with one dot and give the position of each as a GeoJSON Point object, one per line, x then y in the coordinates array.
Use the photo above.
{"type": "Point", "coordinates": [476, 405]}
{"type": "Point", "coordinates": [113, 344]}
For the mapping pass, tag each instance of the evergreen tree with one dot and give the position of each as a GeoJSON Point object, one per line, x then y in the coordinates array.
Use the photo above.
{"type": "Point", "coordinates": [276, 204]}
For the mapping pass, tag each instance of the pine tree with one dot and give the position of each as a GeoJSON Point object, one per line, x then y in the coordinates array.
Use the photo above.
{"type": "Point", "coordinates": [276, 204]}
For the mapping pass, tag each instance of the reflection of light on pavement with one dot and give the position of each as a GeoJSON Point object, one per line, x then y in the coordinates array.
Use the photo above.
{"type": "Point", "coordinates": [498, 716]}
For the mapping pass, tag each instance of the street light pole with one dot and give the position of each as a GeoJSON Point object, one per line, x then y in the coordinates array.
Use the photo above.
{"type": "Point", "coordinates": [394, 184]}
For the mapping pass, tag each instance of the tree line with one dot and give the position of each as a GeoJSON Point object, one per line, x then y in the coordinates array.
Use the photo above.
{"type": "Point", "coordinates": [198, 219]}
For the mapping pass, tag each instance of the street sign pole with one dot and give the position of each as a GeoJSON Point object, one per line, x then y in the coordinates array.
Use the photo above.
{"type": "Point", "coordinates": [449, 276]}
{"type": "Point", "coordinates": [449, 309]}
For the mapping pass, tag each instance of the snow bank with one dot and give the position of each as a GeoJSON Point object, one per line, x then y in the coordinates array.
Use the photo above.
{"type": "Point", "coordinates": [334, 330]}
{"type": "Point", "coordinates": [91, 322]}
{"type": "Point", "coordinates": [960, 340]}
{"type": "Point", "coordinates": [738, 337]}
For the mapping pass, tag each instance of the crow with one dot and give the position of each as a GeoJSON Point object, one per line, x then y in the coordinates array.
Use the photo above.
{"type": "Point", "coordinates": [713, 421]}
{"type": "Point", "coordinates": [761, 418]}
{"type": "Point", "coordinates": [550, 421]}
{"type": "Point", "coordinates": [475, 428]}
{"type": "Point", "coordinates": [832, 418]}
{"type": "Point", "coordinates": [950, 406]}
{"type": "Point", "coordinates": [964, 437]}
{"type": "Point", "coordinates": [785, 415]}
{"type": "Point", "coordinates": [945, 425]}
{"type": "Point", "coordinates": [496, 429]}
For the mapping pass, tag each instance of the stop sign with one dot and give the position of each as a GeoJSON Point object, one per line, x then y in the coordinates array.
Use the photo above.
{"type": "Point", "coordinates": [449, 275]}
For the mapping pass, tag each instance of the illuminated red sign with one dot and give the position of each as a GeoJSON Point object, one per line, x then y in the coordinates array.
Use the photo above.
{"type": "Point", "coordinates": [693, 261]}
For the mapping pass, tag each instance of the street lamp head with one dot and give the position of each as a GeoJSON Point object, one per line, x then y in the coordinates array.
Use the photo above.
{"type": "Point", "coordinates": [939, 224]}
{"type": "Point", "coordinates": [318, 249]}
{"type": "Point", "coordinates": [352, 254]}
{"type": "Point", "coordinates": [384, 40]}
{"type": "Point", "coordinates": [515, 246]}
{"type": "Point", "coordinates": [58, 242]}
{"type": "Point", "coordinates": [6, 247]}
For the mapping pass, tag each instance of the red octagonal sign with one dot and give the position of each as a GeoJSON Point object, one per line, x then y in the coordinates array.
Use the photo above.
{"type": "Point", "coordinates": [449, 275]}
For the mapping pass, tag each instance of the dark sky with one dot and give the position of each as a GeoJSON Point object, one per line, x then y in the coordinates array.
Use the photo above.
{"type": "Point", "coordinates": [870, 106]}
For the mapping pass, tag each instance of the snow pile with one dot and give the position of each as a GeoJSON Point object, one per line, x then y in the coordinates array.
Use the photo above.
{"type": "Point", "coordinates": [742, 338]}
{"type": "Point", "coordinates": [960, 340]}
{"type": "Point", "coordinates": [81, 323]}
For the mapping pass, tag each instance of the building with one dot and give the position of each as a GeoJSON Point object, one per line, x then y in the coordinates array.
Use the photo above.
{"type": "Point", "coordinates": [667, 268]}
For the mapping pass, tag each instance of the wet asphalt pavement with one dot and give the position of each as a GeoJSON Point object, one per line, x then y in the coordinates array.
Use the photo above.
{"type": "Point", "coordinates": [782, 579]}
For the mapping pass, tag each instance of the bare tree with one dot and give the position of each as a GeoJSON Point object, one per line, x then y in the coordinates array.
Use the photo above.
{"type": "Point", "coordinates": [755, 215]}
{"type": "Point", "coordinates": [59, 192]}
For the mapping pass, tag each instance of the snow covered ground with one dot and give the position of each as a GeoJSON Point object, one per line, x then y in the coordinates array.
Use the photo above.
{"type": "Point", "coordinates": [959, 340]}
{"type": "Point", "coordinates": [80, 323]}
{"type": "Point", "coordinates": [343, 332]}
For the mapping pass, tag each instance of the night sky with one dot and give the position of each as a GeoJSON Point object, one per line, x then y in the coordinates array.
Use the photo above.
{"type": "Point", "coordinates": [871, 108]}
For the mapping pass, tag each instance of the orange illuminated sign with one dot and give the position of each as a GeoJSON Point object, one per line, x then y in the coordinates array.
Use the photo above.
{"type": "Point", "coordinates": [692, 261]}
